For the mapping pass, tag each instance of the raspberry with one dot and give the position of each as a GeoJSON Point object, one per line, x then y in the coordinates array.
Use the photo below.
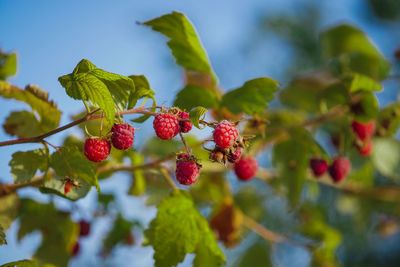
{"type": "Point", "coordinates": [225, 134]}
{"type": "Point", "coordinates": [366, 148]}
{"type": "Point", "coordinates": [75, 249]}
{"type": "Point", "coordinates": [364, 131]}
{"type": "Point", "coordinates": [218, 155]}
{"type": "Point", "coordinates": [166, 126]}
{"type": "Point", "coordinates": [122, 136]}
{"type": "Point", "coordinates": [318, 166]}
{"type": "Point", "coordinates": [185, 126]}
{"type": "Point", "coordinates": [68, 187]}
{"type": "Point", "coordinates": [235, 155]}
{"type": "Point", "coordinates": [97, 149]}
{"type": "Point", "coordinates": [84, 228]}
{"type": "Point", "coordinates": [339, 169]}
{"type": "Point", "coordinates": [187, 169]}
{"type": "Point", "coordinates": [246, 168]}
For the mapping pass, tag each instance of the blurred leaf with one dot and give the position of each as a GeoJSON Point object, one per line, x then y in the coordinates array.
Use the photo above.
{"type": "Point", "coordinates": [354, 51]}
{"type": "Point", "coordinates": [8, 65]}
{"type": "Point", "coordinates": [143, 90]}
{"type": "Point", "coordinates": [388, 121]}
{"type": "Point", "coordinates": [59, 232]}
{"type": "Point", "coordinates": [22, 124]}
{"type": "Point", "coordinates": [183, 41]}
{"type": "Point", "coordinates": [25, 164]}
{"type": "Point", "coordinates": [253, 97]}
{"type": "Point", "coordinates": [70, 162]}
{"type": "Point", "coordinates": [250, 200]}
{"type": "Point", "coordinates": [194, 96]}
{"type": "Point", "coordinates": [105, 199]}
{"type": "Point", "coordinates": [258, 255]}
{"type": "Point", "coordinates": [156, 147]}
{"type": "Point", "coordinates": [21, 263]}
{"type": "Point", "coordinates": [212, 188]}
{"type": "Point", "coordinates": [366, 107]}
{"type": "Point", "coordinates": [386, 157]}
{"type": "Point", "coordinates": [3, 240]}
{"type": "Point", "coordinates": [119, 233]}
{"type": "Point", "coordinates": [38, 100]}
{"type": "Point", "coordinates": [138, 186]}
{"type": "Point", "coordinates": [179, 229]}
{"type": "Point", "coordinates": [363, 175]}
{"type": "Point", "coordinates": [197, 114]}
{"type": "Point", "coordinates": [359, 82]}
{"type": "Point", "coordinates": [8, 210]}
{"type": "Point", "coordinates": [386, 9]}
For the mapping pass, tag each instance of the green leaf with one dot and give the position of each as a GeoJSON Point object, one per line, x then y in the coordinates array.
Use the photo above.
{"type": "Point", "coordinates": [143, 90]}
{"type": "Point", "coordinates": [179, 229]}
{"type": "Point", "coordinates": [25, 164]}
{"type": "Point", "coordinates": [197, 114]}
{"type": "Point", "coordinates": [21, 263]}
{"type": "Point", "coordinates": [59, 232]}
{"type": "Point", "coordinates": [258, 255]}
{"type": "Point", "coordinates": [388, 121]}
{"type": "Point", "coordinates": [102, 89]}
{"type": "Point", "coordinates": [70, 162]}
{"type": "Point", "coordinates": [386, 157]}
{"type": "Point", "coordinates": [156, 147]}
{"type": "Point", "coordinates": [119, 233]}
{"type": "Point", "coordinates": [9, 205]}
{"type": "Point", "coordinates": [354, 51]}
{"type": "Point", "coordinates": [253, 97]}
{"type": "Point", "coordinates": [183, 41]}
{"type": "Point", "coordinates": [22, 124]}
{"type": "Point", "coordinates": [359, 82]}
{"type": "Point", "coordinates": [38, 100]}
{"type": "Point", "coordinates": [138, 186]}
{"type": "Point", "coordinates": [3, 240]}
{"type": "Point", "coordinates": [367, 106]}
{"type": "Point", "coordinates": [8, 65]}
{"type": "Point", "coordinates": [193, 96]}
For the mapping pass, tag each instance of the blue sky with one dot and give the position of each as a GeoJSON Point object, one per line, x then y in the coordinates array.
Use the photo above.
{"type": "Point", "coordinates": [51, 37]}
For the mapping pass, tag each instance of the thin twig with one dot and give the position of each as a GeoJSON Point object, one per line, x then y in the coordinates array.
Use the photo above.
{"type": "Point", "coordinates": [168, 178]}
{"type": "Point", "coordinates": [187, 148]}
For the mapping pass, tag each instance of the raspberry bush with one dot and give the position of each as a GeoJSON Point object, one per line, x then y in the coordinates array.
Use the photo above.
{"type": "Point", "coordinates": [324, 124]}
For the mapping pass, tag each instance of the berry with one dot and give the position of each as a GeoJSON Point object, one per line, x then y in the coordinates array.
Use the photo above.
{"type": "Point", "coordinates": [339, 169]}
{"type": "Point", "coordinates": [218, 155]}
{"type": "Point", "coordinates": [235, 155]}
{"type": "Point", "coordinates": [97, 149]}
{"type": "Point", "coordinates": [187, 169]}
{"type": "Point", "coordinates": [75, 249]}
{"type": "Point", "coordinates": [225, 134]}
{"type": "Point", "coordinates": [122, 136]}
{"type": "Point", "coordinates": [366, 148]}
{"type": "Point", "coordinates": [318, 166]}
{"type": "Point", "coordinates": [364, 131]}
{"type": "Point", "coordinates": [68, 187]}
{"type": "Point", "coordinates": [84, 228]}
{"type": "Point", "coordinates": [185, 126]}
{"type": "Point", "coordinates": [246, 168]}
{"type": "Point", "coordinates": [166, 126]}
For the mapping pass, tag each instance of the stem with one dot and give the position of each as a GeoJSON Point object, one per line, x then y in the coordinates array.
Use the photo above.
{"type": "Point", "coordinates": [262, 231]}
{"type": "Point", "coordinates": [168, 178]}
{"type": "Point", "coordinates": [6, 189]}
{"type": "Point", "coordinates": [187, 148]}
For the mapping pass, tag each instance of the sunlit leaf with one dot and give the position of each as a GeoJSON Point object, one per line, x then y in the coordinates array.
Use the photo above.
{"type": "Point", "coordinates": [8, 65]}
{"type": "Point", "coordinates": [25, 164]}
{"type": "Point", "coordinates": [194, 96]}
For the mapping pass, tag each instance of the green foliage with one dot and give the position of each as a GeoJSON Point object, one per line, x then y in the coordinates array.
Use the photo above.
{"type": "Point", "coordinates": [3, 240]}
{"type": "Point", "coordinates": [183, 42]}
{"type": "Point", "coordinates": [69, 162]}
{"type": "Point", "coordinates": [21, 263]}
{"type": "Point", "coordinates": [8, 65]}
{"type": "Point", "coordinates": [102, 89]}
{"type": "Point", "coordinates": [22, 124]}
{"type": "Point", "coordinates": [119, 233]}
{"type": "Point", "coordinates": [386, 157]}
{"type": "Point", "coordinates": [138, 186]}
{"type": "Point", "coordinates": [258, 255]}
{"type": "Point", "coordinates": [251, 98]}
{"type": "Point", "coordinates": [59, 233]}
{"type": "Point", "coordinates": [179, 229]}
{"type": "Point", "coordinates": [143, 90]}
{"type": "Point", "coordinates": [193, 96]}
{"type": "Point", "coordinates": [358, 82]}
{"type": "Point", "coordinates": [197, 114]}
{"type": "Point", "coordinates": [366, 107]}
{"type": "Point", "coordinates": [24, 165]}
{"type": "Point", "coordinates": [8, 210]}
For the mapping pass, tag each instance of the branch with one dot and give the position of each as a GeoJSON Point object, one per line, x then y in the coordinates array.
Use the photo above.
{"type": "Point", "coordinates": [6, 189]}
{"type": "Point", "coordinates": [87, 117]}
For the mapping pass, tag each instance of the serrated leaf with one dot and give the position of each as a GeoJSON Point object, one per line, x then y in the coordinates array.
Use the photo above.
{"type": "Point", "coordinates": [8, 65]}
{"type": "Point", "coordinates": [38, 100]}
{"type": "Point", "coordinates": [193, 96]}
{"type": "Point", "coordinates": [197, 114]}
{"type": "Point", "coordinates": [143, 90]}
{"type": "Point", "coordinates": [25, 164]}
{"type": "Point", "coordinates": [183, 41]}
{"type": "Point", "coordinates": [55, 185]}
{"type": "Point", "coordinates": [59, 232]}
{"type": "Point", "coordinates": [22, 124]}
{"type": "Point", "coordinates": [179, 229]}
{"type": "Point", "coordinates": [251, 98]}
{"type": "Point", "coordinates": [119, 234]}
{"type": "Point", "coordinates": [70, 162]}
{"type": "Point", "coordinates": [21, 263]}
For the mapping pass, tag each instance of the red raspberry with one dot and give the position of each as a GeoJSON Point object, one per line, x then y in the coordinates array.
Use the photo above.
{"type": "Point", "coordinates": [364, 131]}
{"type": "Point", "coordinates": [97, 149]}
{"type": "Point", "coordinates": [187, 169]}
{"type": "Point", "coordinates": [235, 155]}
{"type": "Point", "coordinates": [225, 134]}
{"type": "Point", "coordinates": [366, 148]}
{"type": "Point", "coordinates": [122, 136]}
{"type": "Point", "coordinates": [318, 166]}
{"type": "Point", "coordinates": [166, 126]}
{"type": "Point", "coordinates": [68, 187]}
{"type": "Point", "coordinates": [75, 249]}
{"type": "Point", "coordinates": [185, 126]}
{"type": "Point", "coordinates": [84, 228]}
{"type": "Point", "coordinates": [246, 168]}
{"type": "Point", "coordinates": [339, 169]}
